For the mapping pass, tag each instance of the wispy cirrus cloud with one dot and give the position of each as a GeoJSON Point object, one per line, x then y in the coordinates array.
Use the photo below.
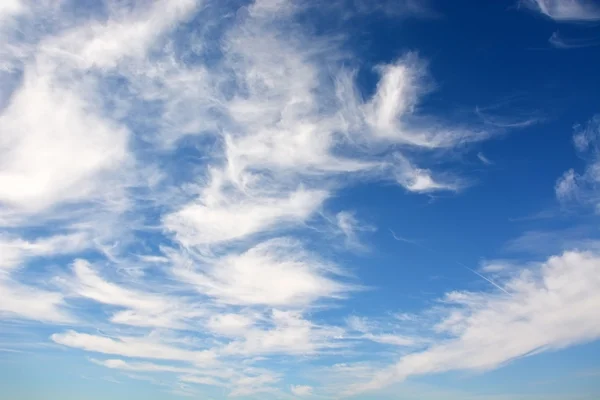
{"type": "Point", "coordinates": [559, 41]}
{"type": "Point", "coordinates": [275, 273]}
{"type": "Point", "coordinates": [496, 117]}
{"type": "Point", "coordinates": [482, 331]}
{"type": "Point", "coordinates": [364, 329]}
{"type": "Point", "coordinates": [565, 10]}
{"type": "Point", "coordinates": [581, 188]}
{"type": "Point", "coordinates": [482, 157]}
{"type": "Point", "coordinates": [135, 347]}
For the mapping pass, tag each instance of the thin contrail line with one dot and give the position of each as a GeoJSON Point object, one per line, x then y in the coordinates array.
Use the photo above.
{"type": "Point", "coordinates": [483, 277]}
{"type": "Point", "coordinates": [491, 282]}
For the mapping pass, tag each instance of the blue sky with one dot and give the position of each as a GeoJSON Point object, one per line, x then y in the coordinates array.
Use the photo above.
{"type": "Point", "coordinates": [281, 199]}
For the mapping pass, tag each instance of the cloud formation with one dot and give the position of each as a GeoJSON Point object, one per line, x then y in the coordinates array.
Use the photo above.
{"type": "Point", "coordinates": [301, 390]}
{"type": "Point", "coordinates": [166, 189]}
{"type": "Point", "coordinates": [482, 331]}
{"type": "Point", "coordinates": [565, 10]}
{"type": "Point", "coordinates": [582, 188]}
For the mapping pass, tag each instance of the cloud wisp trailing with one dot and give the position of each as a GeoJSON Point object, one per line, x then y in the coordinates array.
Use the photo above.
{"type": "Point", "coordinates": [561, 42]}
{"type": "Point", "coordinates": [565, 10]}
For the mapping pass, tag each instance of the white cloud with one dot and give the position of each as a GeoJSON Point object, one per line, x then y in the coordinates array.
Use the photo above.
{"type": "Point", "coordinates": [89, 285]}
{"type": "Point", "coordinates": [549, 306]}
{"type": "Point", "coordinates": [142, 308]}
{"type": "Point", "coordinates": [240, 380]}
{"type": "Point", "coordinates": [566, 186]}
{"type": "Point", "coordinates": [301, 390]}
{"type": "Point", "coordinates": [45, 158]}
{"type": "Point", "coordinates": [187, 371]}
{"type": "Point", "coordinates": [585, 137]}
{"type": "Point", "coordinates": [396, 95]}
{"type": "Point", "coordinates": [391, 113]}
{"type": "Point", "coordinates": [565, 10]}
{"type": "Point", "coordinates": [220, 220]}
{"type": "Point", "coordinates": [278, 272]}
{"type": "Point", "coordinates": [359, 324]}
{"type": "Point", "coordinates": [230, 324]}
{"type": "Point", "coordinates": [28, 302]}
{"type": "Point", "coordinates": [290, 334]}
{"type": "Point", "coordinates": [13, 251]}
{"type": "Point", "coordinates": [495, 266]}
{"type": "Point", "coordinates": [134, 347]}
{"type": "Point", "coordinates": [255, 385]}
{"type": "Point", "coordinates": [9, 8]}
{"type": "Point", "coordinates": [47, 161]}
{"type": "Point", "coordinates": [582, 187]}
{"type": "Point", "coordinates": [350, 227]}
{"type": "Point", "coordinates": [129, 35]}
{"type": "Point", "coordinates": [24, 301]}
{"type": "Point", "coordinates": [258, 383]}
{"type": "Point", "coordinates": [142, 367]}
{"type": "Point", "coordinates": [418, 179]}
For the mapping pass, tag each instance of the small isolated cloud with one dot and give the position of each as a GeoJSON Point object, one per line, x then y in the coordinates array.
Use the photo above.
{"type": "Point", "coordinates": [301, 390]}
{"type": "Point", "coordinates": [350, 228]}
{"type": "Point", "coordinates": [494, 267]}
{"type": "Point", "coordinates": [420, 180]}
{"type": "Point", "coordinates": [484, 159]}
{"type": "Point", "coordinates": [566, 187]}
{"type": "Point", "coordinates": [565, 10]}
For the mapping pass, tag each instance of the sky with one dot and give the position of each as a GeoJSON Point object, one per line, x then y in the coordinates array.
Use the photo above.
{"type": "Point", "coordinates": [282, 199]}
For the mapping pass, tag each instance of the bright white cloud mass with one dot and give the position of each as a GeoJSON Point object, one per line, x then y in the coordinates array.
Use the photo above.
{"type": "Point", "coordinates": [169, 181]}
